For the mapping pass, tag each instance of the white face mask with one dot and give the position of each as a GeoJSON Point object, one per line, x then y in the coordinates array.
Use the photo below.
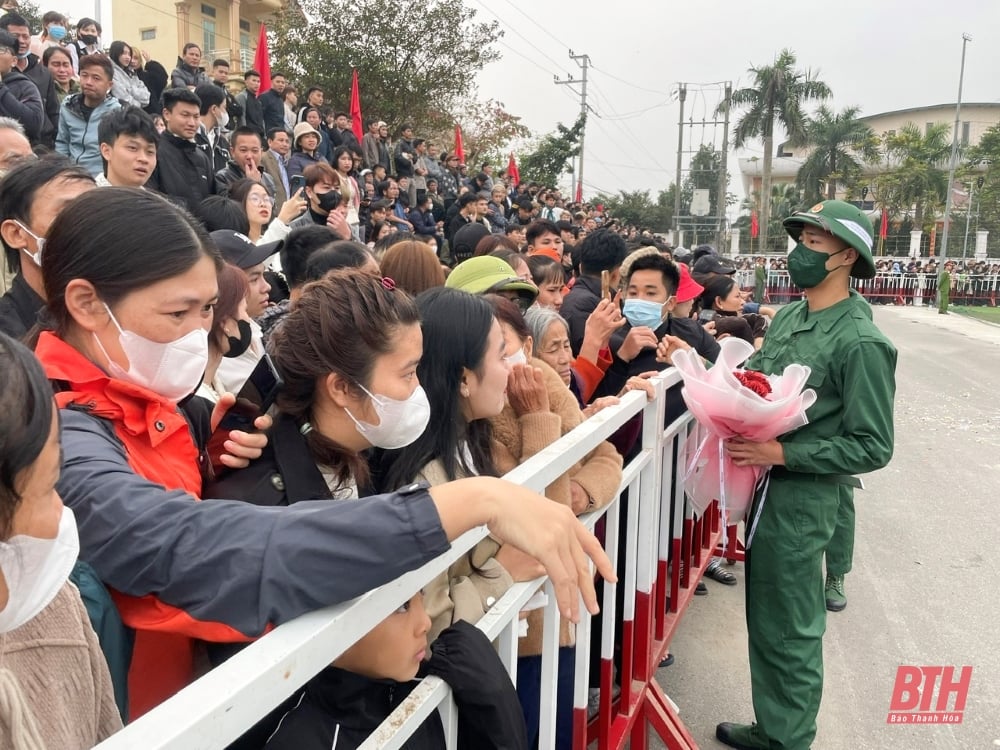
{"type": "Point", "coordinates": [400, 422]}
{"type": "Point", "coordinates": [39, 243]}
{"type": "Point", "coordinates": [173, 370]}
{"type": "Point", "coordinates": [35, 569]}
{"type": "Point", "coordinates": [223, 119]}
{"type": "Point", "coordinates": [517, 358]}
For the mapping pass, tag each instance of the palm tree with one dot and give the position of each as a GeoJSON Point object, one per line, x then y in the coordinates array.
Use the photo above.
{"type": "Point", "coordinates": [838, 141]}
{"type": "Point", "coordinates": [916, 161]}
{"type": "Point", "coordinates": [777, 94]}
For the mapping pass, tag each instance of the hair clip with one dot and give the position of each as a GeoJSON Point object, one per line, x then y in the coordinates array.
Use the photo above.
{"type": "Point", "coordinates": [388, 283]}
{"type": "Point", "coordinates": [305, 429]}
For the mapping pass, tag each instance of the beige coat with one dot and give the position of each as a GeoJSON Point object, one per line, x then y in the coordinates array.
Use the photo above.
{"type": "Point", "coordinates": [468, 589]}
{"type": "Point", "coordinates": [516, 439]}
{"type": "Point", "coordinates": [58, 667]}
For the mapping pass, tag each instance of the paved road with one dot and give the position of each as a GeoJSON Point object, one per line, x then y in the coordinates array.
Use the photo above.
{"type": "Point", "coordinates": [924, 587]}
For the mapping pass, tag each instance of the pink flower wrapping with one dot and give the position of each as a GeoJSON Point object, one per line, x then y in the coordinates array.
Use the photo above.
{"type": "Point", "coordinates": [725, 408]}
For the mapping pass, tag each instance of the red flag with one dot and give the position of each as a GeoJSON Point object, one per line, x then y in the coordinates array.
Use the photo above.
{"type": "Point", "coordinates": [579, 191]}
{"type": "Point", "coordinates": [513, 173]}
{"type": "Point", "coordinates": [356, 125]}
{"type": "Point", "coordinates": [459, 148]}
{"type": "Point", "coordinates": [883, 230]}
{"type": "Point", "coordinates": [262, 61]}
{"type": "Point", "coordinates": [754, 226]}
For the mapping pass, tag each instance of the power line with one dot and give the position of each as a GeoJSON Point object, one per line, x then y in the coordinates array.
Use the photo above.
{"type": "Point", "coordinates": [540, 51]}
{"type": "Point", "coordinates": [633, 85]}
{"type": "Point", "coordinates": [533, 21]}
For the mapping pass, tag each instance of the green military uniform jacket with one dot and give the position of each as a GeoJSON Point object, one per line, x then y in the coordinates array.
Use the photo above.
{"type": "Point", "coordinates": [853, 365]}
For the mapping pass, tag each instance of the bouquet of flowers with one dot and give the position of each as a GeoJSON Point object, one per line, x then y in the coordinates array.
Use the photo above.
{"type": "Point", "coordinates": [731, 402]}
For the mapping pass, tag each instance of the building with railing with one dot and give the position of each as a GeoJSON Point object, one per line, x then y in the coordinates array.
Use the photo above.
{"type": "Point", "coordinates": [976, 119]}
{"type": "Point", "coordinates": [226, 29]}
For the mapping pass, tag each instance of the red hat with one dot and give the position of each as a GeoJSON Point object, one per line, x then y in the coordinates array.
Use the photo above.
{"type": "Point", "coordinates": [688, 289]}
{"type": "Point", "coordinates": [548, 252]}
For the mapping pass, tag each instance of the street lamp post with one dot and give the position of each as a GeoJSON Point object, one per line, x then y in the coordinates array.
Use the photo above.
{"type": "Point", "coordinates": [968, 215]}
{"type": "Point", "coordinates": [966, 38]}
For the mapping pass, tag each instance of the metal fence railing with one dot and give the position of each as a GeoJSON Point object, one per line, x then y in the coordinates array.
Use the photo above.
{"type": "Point", "coordinates": [665, 550]}
{"type": "Point", "coordinates": [889, 288]}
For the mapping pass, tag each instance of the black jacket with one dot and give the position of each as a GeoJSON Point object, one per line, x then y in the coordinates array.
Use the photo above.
{"type": "Point", "coordinates": [185, 75]}
{"type": "Point", "coordinates": [339, 710]}
{"type": "Point", "coordinates": [285, 472]}
{"type": "Point", "coordinates": [182, 170]}
{"type": "Point", "coordinates": [19, 308]}
{"type": "Point", "coordinates": [272, 109]}
{"type": "Point", "coordinates": [232, 173]}
{"type": "Point", "coordinates": [404, 165]}
{"type": "Point", "coordinates": [42, 79]}
{"type": "Point", "coordinates": [577, 306]}
{"type": "Point", "coordinates": [253, 113]}
{"type": "Point", "coordinates": [218, 153]}
{"type": "Point", "coordinates": [155, 77]}
{"type": "Point", "coordinates": [19, 99]}
{"type": "Point", "coordinates": [348, 707]}
{"type": "Point", "coordinates": [645, 361]}
{"type": "Point", "coordinates": [233, 109]}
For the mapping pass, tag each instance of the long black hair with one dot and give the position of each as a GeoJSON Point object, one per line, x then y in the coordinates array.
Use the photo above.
{"type": "Point", "coordinates": [456, 326]}
{"type": "Point", "coordinates": [86, 241]}
{"type": "Point", "coordinates": [25, 421]}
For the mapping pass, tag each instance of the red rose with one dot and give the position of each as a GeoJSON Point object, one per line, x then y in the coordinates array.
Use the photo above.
{"type": "Point", "coordinates": [755, 381]}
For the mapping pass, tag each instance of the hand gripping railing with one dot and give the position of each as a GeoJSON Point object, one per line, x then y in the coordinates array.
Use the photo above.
{"type": "Point", "coordinates": [665, 552]}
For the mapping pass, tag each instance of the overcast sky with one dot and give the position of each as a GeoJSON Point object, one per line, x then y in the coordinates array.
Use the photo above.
{"type": "Point", "coordinates": [878, 54]}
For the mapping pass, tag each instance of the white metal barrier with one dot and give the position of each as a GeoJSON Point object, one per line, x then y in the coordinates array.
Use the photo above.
{"type": "Point", "coordinates": [220, 706]}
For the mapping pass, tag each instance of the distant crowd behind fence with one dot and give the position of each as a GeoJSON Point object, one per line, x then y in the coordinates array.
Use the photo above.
{"type": "Point", "coordinates": [889, 288]}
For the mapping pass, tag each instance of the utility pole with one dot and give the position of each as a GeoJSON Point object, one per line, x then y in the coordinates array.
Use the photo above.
{"type": "Point", "coordinates": [584, 62]}
{"type": "Point", "coordinates": [720, 201]}
{"type": "Point", "coordinates": [966, 38]}
{"type": "Point", "coordinates": [682, 95]}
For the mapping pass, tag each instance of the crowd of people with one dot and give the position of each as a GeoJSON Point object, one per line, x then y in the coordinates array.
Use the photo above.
{"type": "Point", "coordinates": [423, 329]}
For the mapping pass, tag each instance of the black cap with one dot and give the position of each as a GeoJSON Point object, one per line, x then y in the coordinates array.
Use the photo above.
{"type": "Point", "coordinates": [240, 250]}
{"type": "Point", "coordinates": [711, 264]}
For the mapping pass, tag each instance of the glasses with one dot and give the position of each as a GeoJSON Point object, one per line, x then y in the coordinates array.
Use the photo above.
{"type": "Point", "coordinates": [261, 200]}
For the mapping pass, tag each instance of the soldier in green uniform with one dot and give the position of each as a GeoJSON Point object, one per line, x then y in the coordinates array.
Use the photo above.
{"type": "Point", "coordinates": [810, 491]}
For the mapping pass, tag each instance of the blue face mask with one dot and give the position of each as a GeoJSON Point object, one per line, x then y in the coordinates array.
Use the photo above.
{"type": "Point", "coordinates": [641, 312]}
{"type": "Point", "coordinates": [57, 32]}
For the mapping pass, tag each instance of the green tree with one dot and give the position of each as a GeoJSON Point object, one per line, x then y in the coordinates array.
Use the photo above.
{"type": "Point", "coordinates": [777, 95]}
{"type": "Point", "coordinates": [838, 140]}
{"type": "Point", "coordinates": [552, 155]}
{"type": "Point", "coordinates": [487, 131]}
{"type": "Point", "coordinates": [415, 65]}
{"type": "Point", "coordinates": [917, 177]}
{"type": "Point", "coordinates": [30, 12]}
{"type": "Point", "coordinates": [637, 207]}
{"type": "Point", "coordinates": [982, 162]}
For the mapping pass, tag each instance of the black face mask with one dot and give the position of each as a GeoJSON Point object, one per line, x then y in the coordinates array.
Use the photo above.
{"type": "Point", "coordinates": [88, 39]}
{"type": "Point", "coordinates": [238, 346]}
{"type": "Point", "coordinates": [329, 201]}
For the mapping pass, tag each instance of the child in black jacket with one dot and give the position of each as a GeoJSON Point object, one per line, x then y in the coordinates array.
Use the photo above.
{"type": "Point", "coordinates": [347, 701]}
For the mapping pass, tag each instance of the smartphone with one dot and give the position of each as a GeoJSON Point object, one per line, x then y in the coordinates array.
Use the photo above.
{"type": "Point", "coordinates": [706, 316]}
{"type": "Point", "coordinates": [605, 285]}
{"type": "Point", "coordinates": [296, 183]}
{"type": "Point", "coordinates": [255, 397]}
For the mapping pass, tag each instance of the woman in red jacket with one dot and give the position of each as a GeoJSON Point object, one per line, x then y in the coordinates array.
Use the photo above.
{"type": "Point", "coordinates": [129, 311]}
